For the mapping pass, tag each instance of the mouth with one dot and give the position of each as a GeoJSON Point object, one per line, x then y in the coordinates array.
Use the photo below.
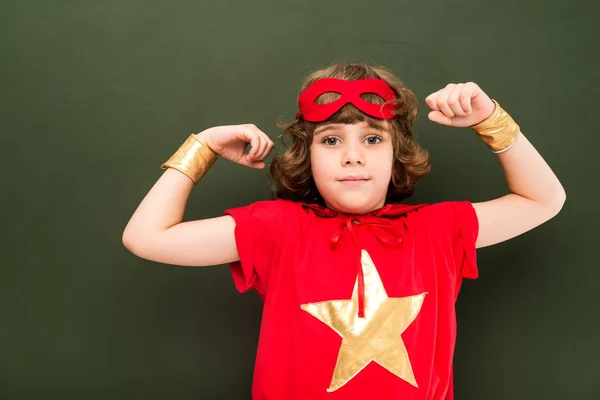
{"type": "Point", "coordinates": [354, 181]}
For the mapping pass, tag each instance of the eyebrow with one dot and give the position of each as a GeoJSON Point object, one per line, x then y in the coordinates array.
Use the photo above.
{"type": "Point", "coordinates": [326, 128]}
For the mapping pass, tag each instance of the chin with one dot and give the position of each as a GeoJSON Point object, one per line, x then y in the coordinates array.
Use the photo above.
{"type": "Point", "coordinates": [353, 206]}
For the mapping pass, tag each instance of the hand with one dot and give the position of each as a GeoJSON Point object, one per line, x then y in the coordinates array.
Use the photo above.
{"type": "Point", "coordinates": [460, 105]}
{"type": "Point", "coordinates": [230, 141]}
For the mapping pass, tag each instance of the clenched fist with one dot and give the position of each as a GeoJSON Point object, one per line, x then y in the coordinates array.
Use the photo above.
{"type": "Point", "coordinates": [460, 105]}
{"type": "Point", "coordinates": [231, 141]}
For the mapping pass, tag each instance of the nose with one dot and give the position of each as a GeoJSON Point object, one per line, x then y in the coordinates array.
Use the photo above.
{"type": "Point", "coordinates": [353, 153]}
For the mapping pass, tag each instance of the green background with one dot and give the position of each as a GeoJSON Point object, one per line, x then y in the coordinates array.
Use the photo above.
{"type": "Point", "coordinates": [95, 95]}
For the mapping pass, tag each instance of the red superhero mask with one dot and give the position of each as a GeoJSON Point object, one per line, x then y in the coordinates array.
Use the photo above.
{"type": "Point", "coordinates": [350, 93]}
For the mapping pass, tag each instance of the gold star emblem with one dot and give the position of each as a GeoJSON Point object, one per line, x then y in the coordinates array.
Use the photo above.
{"type": "Point", "coordinates": [377, 336]}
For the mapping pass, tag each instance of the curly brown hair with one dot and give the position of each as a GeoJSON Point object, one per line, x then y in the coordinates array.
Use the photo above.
{"type": "Point", "coordinates": [291, 171]}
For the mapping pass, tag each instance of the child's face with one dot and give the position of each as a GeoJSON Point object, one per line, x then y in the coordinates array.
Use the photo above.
{"type": "Point", "coordinates": [339, 151]}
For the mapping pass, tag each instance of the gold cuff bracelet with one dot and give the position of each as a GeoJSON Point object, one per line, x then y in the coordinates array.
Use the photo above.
{"type": "Point", "coordinates": [499, 131]}
{"type": "Point", "coordinates": [193, 158]}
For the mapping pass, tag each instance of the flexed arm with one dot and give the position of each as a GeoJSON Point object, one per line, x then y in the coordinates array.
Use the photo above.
{"type": "Point", "coordinates": [536, 194]}
{"type": "Point", "coordinates": [156, 231]}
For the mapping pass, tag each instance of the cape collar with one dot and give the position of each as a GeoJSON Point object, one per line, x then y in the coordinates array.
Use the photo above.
{"type": "Point", "coordinates": [389, 210]}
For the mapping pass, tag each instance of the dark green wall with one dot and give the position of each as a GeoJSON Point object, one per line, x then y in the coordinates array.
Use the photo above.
{"type": "Point", "coordinates": [95, 95]}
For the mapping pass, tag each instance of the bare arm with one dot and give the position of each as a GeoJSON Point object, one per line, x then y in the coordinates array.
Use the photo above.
{"type": "Point", "coordinates": [536, 193]}
{"type": "Point", "coordinates": [536, 196]}
{"type": "Point", "coordinates": [156, 231]}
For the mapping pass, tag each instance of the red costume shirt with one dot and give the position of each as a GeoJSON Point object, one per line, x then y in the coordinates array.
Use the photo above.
{"type": "Point", "coordinates": [355, 306]}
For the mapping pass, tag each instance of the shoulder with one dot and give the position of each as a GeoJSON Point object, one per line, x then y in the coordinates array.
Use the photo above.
{"type": "Point", "coordinates": [448, 207]}
{"type": "Point", "coordinates": [277, 206]}
{"type": "Point", "coordinates": [267, 210]}
{"type": "Point", "coordinates": [454, 218]}
{"type": "Point", "coordinates": [447, 214]}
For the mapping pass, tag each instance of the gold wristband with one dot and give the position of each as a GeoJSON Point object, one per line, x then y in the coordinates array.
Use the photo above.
{"type": "Point", "coordinates": [193, 158]}
{"type": "Point", "coordinates": [499, 131]}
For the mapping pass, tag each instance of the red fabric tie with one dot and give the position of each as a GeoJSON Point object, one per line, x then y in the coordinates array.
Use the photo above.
{"type": "Point", "coordinates": [390, 235]}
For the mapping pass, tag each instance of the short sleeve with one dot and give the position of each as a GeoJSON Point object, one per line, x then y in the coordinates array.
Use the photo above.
{"type": "Point", "coordinates": [466, 229]}
{"type": "Point", "coordinates": [460, 224]}
{"type": "Point", "coordinates": [258, 240]}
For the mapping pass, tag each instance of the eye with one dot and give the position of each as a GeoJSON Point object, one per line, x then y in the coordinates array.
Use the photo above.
{"type": "Point", "coordinates": [374, 137]}
{"type": "Point", "coordinates": [331, 140]}
{"type": "Point", "coordinates": [328, 140]}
